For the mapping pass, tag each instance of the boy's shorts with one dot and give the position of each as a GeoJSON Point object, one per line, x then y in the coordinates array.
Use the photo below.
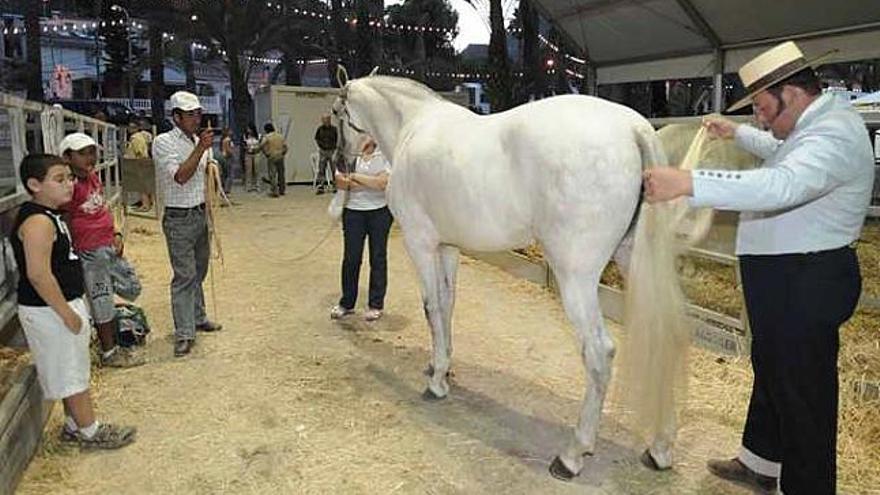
{"type": "Point", "coordinates": [62, 358]}
{"type": "Point", "coordinates": [106, 273]}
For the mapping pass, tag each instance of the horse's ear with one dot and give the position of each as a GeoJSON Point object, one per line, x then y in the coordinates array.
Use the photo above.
{"type": "Point", "coordinates": [341, 75]}
{"type": "Point", "coordinates": [374, 71]}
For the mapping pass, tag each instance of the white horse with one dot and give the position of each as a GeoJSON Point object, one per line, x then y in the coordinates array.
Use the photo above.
{"type": "Point", "coordinates": [565, 171]}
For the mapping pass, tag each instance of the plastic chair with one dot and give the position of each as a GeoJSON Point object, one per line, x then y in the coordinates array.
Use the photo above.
{"type": "Point", "coordinates": [317, 181]}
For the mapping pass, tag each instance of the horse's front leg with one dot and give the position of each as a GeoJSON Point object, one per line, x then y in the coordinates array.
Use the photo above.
{"type": "Point", "coordinates": [427, 260]}
{"type": "Point", "coordinates": [449, 262]}
{"type": "Point", "coordinates": [581, 302]}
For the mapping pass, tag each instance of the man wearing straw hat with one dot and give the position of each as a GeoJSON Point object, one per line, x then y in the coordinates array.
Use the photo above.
{"type": "Point", "coordinates": [801, 212]}
{"type": "Point", "coordinates": [180, 156]}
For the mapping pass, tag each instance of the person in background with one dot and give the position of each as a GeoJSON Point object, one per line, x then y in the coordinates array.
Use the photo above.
{"type": "Point", "coordinates": [181, 159]}
{"type": "Point", "coordinates": [227, 158]}
{"type": "Point", "coordinates": [325, 137]}
{"type": "Point", "coordinates": [138, 147]}
{"type": "Point", "coordinates": [51, 308]}
{"type": "Point", "coordinates": [365, 216]}
{"type": "Point", "coordinates": [251, 148]}
{"type": "Point", "coordinates": [97, 244]}
{"type": "Point", "coordinates": [801, 212]}
{"type": "Point", "coordinates": [273, 146]}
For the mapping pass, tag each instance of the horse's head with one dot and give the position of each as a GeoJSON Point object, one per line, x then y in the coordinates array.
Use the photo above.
{"type": "Point", "coordinates": [378, 106]}
{"type": "Point", "coordinates": [351, 135]}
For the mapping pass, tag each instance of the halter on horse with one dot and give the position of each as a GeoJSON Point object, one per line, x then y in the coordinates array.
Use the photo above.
{"type": "Point", "coordinates": [565, 171]}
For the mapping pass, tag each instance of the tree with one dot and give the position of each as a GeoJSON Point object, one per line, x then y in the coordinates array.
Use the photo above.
{"type": "Point", "coordinates": [301, 38]}
{"type": "Point", "coordinates": [500, 86]}
{"type": "Point", "coordinates": [533, 84]}
{"type": "Point", "coordinates": [238, 30]}
{"type": "Point", "coordinates": [34, 54]}
{"type": "Point", "coordinates": [119, 67]}
{"type": "Point", "coordinates": [422, 50]}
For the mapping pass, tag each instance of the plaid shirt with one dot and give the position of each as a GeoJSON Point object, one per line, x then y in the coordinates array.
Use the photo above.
{"type": "Point", "coordinates": [170, 150]}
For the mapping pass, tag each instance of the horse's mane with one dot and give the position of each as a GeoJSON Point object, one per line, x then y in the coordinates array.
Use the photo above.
{"type": "Point", "coordinates": [407, 87]}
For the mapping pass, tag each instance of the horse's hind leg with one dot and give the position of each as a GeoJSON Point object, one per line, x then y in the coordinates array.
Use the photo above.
{"type": "Point", "coordinates": [581, 302]}
{"type": "Point", "coordinates": [427, 260]}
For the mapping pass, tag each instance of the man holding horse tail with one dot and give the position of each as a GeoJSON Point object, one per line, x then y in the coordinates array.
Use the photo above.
{"type": "Point", "coordinates": [802, 211]}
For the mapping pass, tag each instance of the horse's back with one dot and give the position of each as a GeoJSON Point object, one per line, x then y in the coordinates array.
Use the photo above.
{"type": "Point", "coordinates": [492, 182]}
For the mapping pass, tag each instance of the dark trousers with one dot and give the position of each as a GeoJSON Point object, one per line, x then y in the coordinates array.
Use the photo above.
{"type": "Point", "coordinates": [796, 303]}
{"type": "Point", "coordinates": [357, 226]}
{"type": "Point", "coordinates": [277, 179]}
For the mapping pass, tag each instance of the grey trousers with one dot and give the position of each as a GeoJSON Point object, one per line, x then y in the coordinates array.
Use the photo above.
{"type": "Point", "coordinates": [189, 249]}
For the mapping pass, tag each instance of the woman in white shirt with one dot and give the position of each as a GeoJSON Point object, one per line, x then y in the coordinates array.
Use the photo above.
{"type": "Point", "coordinates": [366, 215]}
{"type": "Point", "coordinates": [252, 147]}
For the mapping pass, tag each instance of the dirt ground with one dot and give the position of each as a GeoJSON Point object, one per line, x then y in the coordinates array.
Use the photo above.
{"type": "Point", "coordinates": [284, 400]}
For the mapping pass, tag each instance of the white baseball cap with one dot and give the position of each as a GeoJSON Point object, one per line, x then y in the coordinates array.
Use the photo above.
{"type": "Point", "coordinates": [186, 101]}
{"type": "Point", "coordinates": [76, 142]}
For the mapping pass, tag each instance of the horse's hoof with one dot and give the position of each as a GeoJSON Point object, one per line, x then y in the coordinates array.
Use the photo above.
{"type": "Point", "coordinates": [559, 471]}
{"type": "Point", "coordinates": [430, 396]}
{"type": "Point", "coordinates": [429, 371]}
{"type": "Point", "coordinates": [649, 462]}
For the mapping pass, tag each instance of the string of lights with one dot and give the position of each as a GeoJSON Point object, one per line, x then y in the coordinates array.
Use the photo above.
{"type": "Point", "coordinates": [373, 23]}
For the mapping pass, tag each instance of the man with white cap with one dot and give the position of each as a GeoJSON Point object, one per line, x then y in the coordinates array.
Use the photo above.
{"type": "Point", "coordinates": [180, 156]}
{"type": "Point", "coordinates": [801, 212]}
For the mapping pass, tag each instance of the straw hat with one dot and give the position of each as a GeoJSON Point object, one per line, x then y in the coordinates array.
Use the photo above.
{"type": "Point", "coordinates": [771, 67]}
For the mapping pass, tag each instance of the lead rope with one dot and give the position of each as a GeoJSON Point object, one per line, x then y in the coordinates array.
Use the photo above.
{"type": "Point", "coordinates": [214, 196]}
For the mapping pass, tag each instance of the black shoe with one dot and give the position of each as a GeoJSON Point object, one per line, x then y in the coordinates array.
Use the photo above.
{"type": "Point", "coordinates": [209, 326]}
{"type": "Point", "coordinates": [737, 472]}
{"type": "Point", "coordinates": [183, 347]}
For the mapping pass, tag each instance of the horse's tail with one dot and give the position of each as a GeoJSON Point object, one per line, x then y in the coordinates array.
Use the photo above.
{"type": "Point", "coordinates": [653, 354]}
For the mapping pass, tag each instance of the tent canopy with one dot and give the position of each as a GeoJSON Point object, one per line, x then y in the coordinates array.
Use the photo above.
{"type": "Point", "coordinates": [637, 40]}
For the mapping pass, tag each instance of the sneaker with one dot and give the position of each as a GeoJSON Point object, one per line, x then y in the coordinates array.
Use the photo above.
{"type": "Point", "coordinates": [67, 436]}
{"type": "Point", "coordinates": [372, 314]}
{"type": "Point", "coordinates": [737, 472]}
{"type": "Point", "coordinates": [108, 437]}
{"type": "Point", "coordinates": [338, 312]}
{"type": "Point", "coordinates": [122, 358]}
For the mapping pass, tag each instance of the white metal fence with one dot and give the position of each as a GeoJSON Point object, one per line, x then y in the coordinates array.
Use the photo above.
{"type": "Point", "coordinates": [31, 127]}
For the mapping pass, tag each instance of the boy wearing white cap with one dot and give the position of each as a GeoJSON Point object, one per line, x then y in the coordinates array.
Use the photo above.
{"type": "Point", "coordinates": [100, 249]}
{"type": "Point", "coordinates": [180, 156]}
{"type": "Point", "coordinates": [801, 212]}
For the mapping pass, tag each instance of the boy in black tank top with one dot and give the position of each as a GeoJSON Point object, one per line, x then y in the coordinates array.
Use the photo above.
{"type": "Point", "coordinates": [51, 309]}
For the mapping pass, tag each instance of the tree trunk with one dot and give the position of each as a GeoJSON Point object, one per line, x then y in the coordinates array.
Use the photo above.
{"type": "Point", "coordinates": [34, 52]}
{"type": "Point", "coordinates": [377, 55]}
{"type": "Point", "coordinates": [364, 37]}
{"type": "Point", "coordinates": [241, 98]}
{"type": "Point", "coordinates": [157, 75]}
{"type": "Point", "coordinates": [533, 73]}
{"type": "Point", "coordinates": [500, 83]}
{"type": "Point", "coordinates": [189, 67]}
{"type": "Point", "coordinates": [339, 46]}
{"type": "Point", "coordinates": [292, 76]}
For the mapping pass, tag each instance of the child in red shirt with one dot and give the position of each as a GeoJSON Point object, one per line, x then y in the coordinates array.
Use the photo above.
{"type": "Point", "coordinates": [106, 272]}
